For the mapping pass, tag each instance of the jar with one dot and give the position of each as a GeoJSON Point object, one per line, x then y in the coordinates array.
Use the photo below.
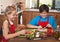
{"type": "Point", "coordinates": [57, 34]}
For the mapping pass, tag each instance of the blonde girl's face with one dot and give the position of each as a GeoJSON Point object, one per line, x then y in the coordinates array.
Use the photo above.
{"type": "Point", "coordinates": [13, 15]}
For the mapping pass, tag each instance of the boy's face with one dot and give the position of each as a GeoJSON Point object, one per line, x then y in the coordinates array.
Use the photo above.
{"type": "Point", "coordinates": [44, 14]}
{"type": "Point", "coordinates": [13, 15]}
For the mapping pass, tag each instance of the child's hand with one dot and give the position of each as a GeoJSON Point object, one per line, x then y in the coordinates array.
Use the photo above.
{"type": "Point", "coordinates": [39, 27]}
{"type": "Point", "coordinates": [22, 32]}
{"type": "Point", "coordinates": [21, 26]}
{"type": "Point", "coordinates": [48, 25]}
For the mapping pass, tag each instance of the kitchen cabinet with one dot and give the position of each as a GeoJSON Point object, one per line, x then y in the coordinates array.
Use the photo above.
{"type": "Point", "coordinates": [3, 17]}
{"type": "Point", "coordinates": [28, 15]}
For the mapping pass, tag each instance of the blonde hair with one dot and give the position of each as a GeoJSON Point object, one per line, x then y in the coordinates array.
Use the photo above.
{"type": "Point", "coordinates": [9, 10]}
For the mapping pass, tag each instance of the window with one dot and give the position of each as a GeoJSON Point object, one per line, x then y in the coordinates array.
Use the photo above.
{"type": "Point", "coordinates": [47, 2]}
{"type": "Point", "coordinates": [37, 3]}
{"type": "Point", "coordinates": [34, 4]}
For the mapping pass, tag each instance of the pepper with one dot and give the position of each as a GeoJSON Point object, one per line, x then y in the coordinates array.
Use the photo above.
{"type": "Point", "coordinates": [49, 31]}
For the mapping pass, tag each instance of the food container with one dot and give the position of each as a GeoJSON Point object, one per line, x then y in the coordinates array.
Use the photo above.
{"type": "Point", "coordinates": [57, 34]}
{"type": "Point", "coordinates": [30, 35]}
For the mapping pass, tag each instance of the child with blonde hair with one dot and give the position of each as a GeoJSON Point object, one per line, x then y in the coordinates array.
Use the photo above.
{"type": "Point", "coordinates": [8, 25]}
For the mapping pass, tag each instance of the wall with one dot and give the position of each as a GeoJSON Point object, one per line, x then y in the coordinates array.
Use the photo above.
{"type": "Point", "coordinates": [18, 0]}
{"type": "Point", "coordinates": [6, 3]}
{"type": "Point", "coordinates": [0, 7]}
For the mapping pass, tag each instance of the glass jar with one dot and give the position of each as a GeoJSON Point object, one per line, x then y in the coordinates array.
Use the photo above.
{"type": "Point", "coordinates": [57, 33]}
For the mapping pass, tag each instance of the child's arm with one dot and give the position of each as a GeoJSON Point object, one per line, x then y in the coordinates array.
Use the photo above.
{"type": "Point", "coordinates": [32, 26]}
{"type": "Point", "coordinates": [6, 30]}
{"type": "Point", "coordinates": [59, 39]}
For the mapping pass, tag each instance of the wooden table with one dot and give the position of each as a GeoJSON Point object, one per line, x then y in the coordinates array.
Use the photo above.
{"type": "Point", "coordinates": [25, 40]}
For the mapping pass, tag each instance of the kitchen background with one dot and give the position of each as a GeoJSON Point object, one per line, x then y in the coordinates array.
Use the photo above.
{"type": "Point", "coordinates": [28, 3]}
{"type": "Point", "coordinates": [31, 9]}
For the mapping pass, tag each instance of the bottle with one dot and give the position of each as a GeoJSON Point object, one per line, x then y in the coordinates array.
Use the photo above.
{"type": "Point", "coordinates": [37, 34]}
{"type": "Point", "coordinates": [58, 26]}
{"type": "Point", "coordinates": [57, 32]}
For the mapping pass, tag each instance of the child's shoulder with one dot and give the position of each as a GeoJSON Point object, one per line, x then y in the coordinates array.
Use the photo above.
{"type": "Point", "coordinates": [5, 22]}
{"type": "Point", "coordinates": [37, 16]}
{"type": "Point", "coordinates": [50, 16]}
